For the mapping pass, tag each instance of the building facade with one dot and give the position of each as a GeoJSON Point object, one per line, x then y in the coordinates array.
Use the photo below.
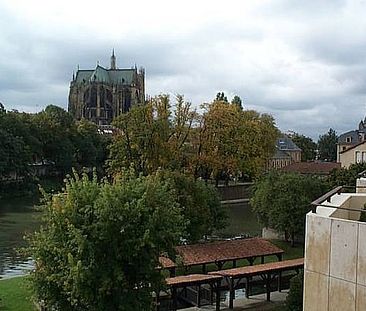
{"type": "Point", "coordinates": [287, 152]}
{"type": "Point", "coordinates": [351, 138]}
{"type": "Point", "coordinates": [101, 94]}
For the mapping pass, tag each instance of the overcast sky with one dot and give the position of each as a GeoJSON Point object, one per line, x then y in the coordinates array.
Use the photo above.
{"type": "Point", "coordinates": [304, 62]}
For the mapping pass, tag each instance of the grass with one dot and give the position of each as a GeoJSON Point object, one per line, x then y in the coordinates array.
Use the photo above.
{"type": "Point", "coordinates": [15, 295]}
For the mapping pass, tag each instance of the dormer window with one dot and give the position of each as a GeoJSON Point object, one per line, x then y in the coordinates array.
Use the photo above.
{"type": "Point", "coordinates": [349, 139]}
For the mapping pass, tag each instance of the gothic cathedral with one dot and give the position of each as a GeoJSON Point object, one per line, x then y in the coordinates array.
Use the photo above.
{"type": "Point", "coordinates": [101, 94]}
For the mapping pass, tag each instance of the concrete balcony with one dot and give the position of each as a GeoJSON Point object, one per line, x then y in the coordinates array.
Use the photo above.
{"type": "Point", "coordinates": [335, 253]}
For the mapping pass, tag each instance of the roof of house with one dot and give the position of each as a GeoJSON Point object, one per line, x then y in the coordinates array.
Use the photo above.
{"type": "Point", "coordinates": [166, 263]}
{"type": "Point", "coordinates": [351, 148]}
{"type": "Point", "coordinates": [221, 251]}
{"type": "Point", "coordinates": [317, 168]}
{"type": "Point", "coordinates": [191, 279]}
{"type": "Point", "coordinates": [101, 74]}
{"type": "Point", "coordinates": [285, 143]}
{"type": "Point", "coordinates": [280, 154]}
{"type": "Point", "coordinates": [354, 135]}
{"type": "Point", "coordinates": [262, 268]}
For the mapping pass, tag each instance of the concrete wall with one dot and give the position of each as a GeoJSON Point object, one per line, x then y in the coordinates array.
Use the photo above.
{"type": "Point", "coordinates": [335, 257]}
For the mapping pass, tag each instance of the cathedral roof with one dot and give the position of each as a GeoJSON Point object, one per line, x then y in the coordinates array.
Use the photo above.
{"type": "Point", "coordinates": [100, 74]}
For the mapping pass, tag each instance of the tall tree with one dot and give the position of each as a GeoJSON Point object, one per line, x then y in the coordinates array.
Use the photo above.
{"type": "Point", "coordinates": [152, 136]}
{"type": "Point", "coordinates": [220, 97]}
{"type": "Point", "coordinates": [281, 200]}
{"type": "Point", "coordinates": [327, 145]}
{"type": "Point", "coordinates": [233, 142]}
{"type": "Point", "coordinates": [99, 246]}
{"type": "Point", "coordinates": [307, 145]}
{"type": "Point", "coordinates": [237, 101]}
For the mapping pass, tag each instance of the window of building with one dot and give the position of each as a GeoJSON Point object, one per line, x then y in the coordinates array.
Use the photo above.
{"type": "Point", "coordinates": [343, 148]}
{"type": "Point", "coordinates": [349, 139]}
{"type": "Point", "coordinates": [358, 157]}
{"type": "Point", "coordinates": [363, 156]}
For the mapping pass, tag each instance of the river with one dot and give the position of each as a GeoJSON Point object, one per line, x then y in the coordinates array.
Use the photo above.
{"type": "Point", "coordinates": [17, 217]}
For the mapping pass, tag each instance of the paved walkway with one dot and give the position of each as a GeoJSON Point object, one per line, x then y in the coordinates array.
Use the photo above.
{"type": "Point", "coordinates": [254, 303]}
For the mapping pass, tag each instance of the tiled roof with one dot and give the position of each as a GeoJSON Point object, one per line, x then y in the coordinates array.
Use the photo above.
{"type": "Point", "coordinates": [354, 146]}
{"type": "Point", "coordinates": [203, 253]}
{"type": "Point", "coordinates": [166, 263]}
{"type": "Point", "coordinates": [285, 143]}
{"type": "Point", "coordinates": [185, 280]}
{"type": "Point", "coordinates": [101, 74]}
{"type": "Point", "coordinates": [342, 139]}
{"type": "Point", "coordinates": [263, 268]}
{"type": "Point", "coordinates": [318, 168]}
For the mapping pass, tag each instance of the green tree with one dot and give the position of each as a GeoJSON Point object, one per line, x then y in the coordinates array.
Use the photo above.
{"type": "Point", "coordinates": [56, 131]}
{"type": "Point", "coordinates": [91, 147]}
{"type": "Point", "coordinates": [237, 101]}
{"type": "Point", "coordinates": [220, 97]}
{"type": "Point", "coordinates": [346, 176]}
{"type": "Point", "coordinates": [233, 142]}
{"type": "Point", "coordinates": [307, 146]}
{"type": "Point", "coordinates": [294, 299]}
{"type": "Point", "coordinates": [281, 200]}
{"type": "Point", "coordinates": [200, 205]}
{"type": "Point", "coordinates": [99, 246]}
{"type": "Point", "coordinates": [152, 136]}
{"type": "Point", "coordinates": [327, 145]}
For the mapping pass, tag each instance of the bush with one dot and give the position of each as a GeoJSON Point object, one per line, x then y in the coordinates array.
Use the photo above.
{"type": "Point", "coordinates": [294, 299]}
{"type": "Point", "coordinates": [99, 245]}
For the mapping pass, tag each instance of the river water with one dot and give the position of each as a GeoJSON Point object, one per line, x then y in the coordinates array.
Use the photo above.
{"type": "Point", "coordinates": [18, 217]}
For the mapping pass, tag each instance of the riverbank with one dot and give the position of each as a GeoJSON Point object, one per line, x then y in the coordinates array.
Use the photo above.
{"type": "Point", "coordinates": [15, 295]}
{"type": "Point", "coordinates": [29, 188]}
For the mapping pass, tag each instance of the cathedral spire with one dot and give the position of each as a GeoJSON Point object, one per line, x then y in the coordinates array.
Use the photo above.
{"type": "Point", "coordinates": [113, 61]}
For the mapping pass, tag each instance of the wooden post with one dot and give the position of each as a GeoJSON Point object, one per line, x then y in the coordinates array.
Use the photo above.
{"type": "Point", "coordinates": [218, 284]}
{"type": "Point", "coordinates": [232, 294]}
{"type": "Point", "coordinates": [174, 297]}
{"type": "Point", "coordinates": [172, 272]}
{"type": "Point", "coordinates": [247, 286]}
{"type": "Point", "coordinates": [157, 293]}
{"type": "Point", "coordinates": [234, 263]}
{"type": "Point", "coordinates": [268, 286]}
{"type": "Point", "coordinates": [198, 296]}
{"type": "Point", "coordinates": [211, 293]}
{"type": "Point", "coordinates": [204, 268]}
{"type": "Point", "coordinates": [262, 259]}
{"type": "Point", "coordinates": [279, 281]}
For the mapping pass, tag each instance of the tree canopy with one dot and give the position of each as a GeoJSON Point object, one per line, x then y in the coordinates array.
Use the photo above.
{"type": "Point", "coordinates": [99, 246]}
{"type": "Point", "coordinates": [50, 135]}
{"type": "Point", "coordinates": [223, 141]}
{"type": "Point", "coordinates": [327, 145]}
{"type": "Point", "coordinates": [281, 200]}
{"type": "Point", "coordinates": [307, 145]}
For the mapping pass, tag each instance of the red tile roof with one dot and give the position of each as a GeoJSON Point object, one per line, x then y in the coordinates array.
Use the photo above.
{"type": "Point", "coordinates": [204, 253]}
{"type": "Point", "coordinates": [317, 168]}
{"type": "Point", "coordinates": [166, 263]}
{"type": "Point", "coordinates": [185, 280]}
{"type": "Point", "coordinates": [263, 268]}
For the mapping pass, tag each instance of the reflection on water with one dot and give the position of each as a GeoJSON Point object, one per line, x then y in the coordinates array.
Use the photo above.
{"type": "Point", "coordinates": [242, 221]}
{"type": "Point", "coordinates": [17, 217]}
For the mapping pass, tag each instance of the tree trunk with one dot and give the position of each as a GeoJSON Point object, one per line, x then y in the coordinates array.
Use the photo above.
{"type": "Point", "coordinates": [292, 238]}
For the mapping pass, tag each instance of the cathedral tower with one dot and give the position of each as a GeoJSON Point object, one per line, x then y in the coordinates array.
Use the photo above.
{"type": "Point", "coordinates": [101, 94]}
